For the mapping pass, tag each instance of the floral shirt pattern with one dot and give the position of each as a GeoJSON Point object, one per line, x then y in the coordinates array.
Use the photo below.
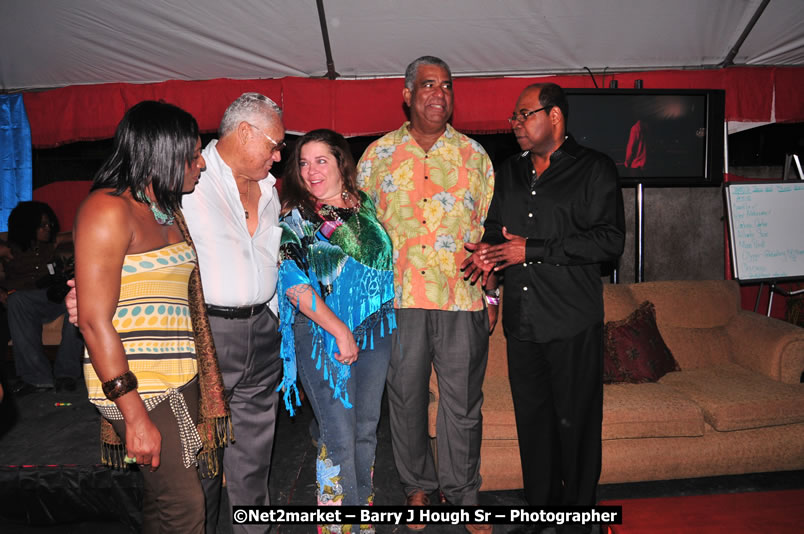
{"type": "Point", "coordinates": [430, 203]}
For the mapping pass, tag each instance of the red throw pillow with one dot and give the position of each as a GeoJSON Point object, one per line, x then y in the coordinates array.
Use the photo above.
{"type": "Point", "coordinates": [635, 351]}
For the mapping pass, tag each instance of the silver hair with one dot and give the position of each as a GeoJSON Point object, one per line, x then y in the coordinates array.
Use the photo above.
{"type": "Point", "coordinates": [249, 107]}
{"type": "Point", "coordinates": [413, 68]}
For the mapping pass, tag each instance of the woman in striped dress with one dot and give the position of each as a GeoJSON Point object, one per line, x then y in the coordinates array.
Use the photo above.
{"type": "Point", "coordinates": [134, 269]}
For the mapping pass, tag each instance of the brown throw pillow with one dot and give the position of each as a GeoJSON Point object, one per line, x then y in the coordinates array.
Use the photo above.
{"type": "Point", "coordinates": [635, 351]}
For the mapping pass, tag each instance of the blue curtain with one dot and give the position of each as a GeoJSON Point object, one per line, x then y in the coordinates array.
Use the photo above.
{"type": "Point", "coordinates": [16, 178]}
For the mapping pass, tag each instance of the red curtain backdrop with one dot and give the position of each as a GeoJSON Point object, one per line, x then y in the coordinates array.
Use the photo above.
{"type": "Point", "coordinates": [365, 107]}
{"type": "Point", "coordinates": [370, 107]}
{"type": "Point", "coordinates": [789, 102]}
{"type": "Point", "coordinates": [64, 198]}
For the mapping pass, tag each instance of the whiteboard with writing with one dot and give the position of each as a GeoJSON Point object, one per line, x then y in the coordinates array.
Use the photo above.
{"type": "Point", "coordinates": [766, 226]}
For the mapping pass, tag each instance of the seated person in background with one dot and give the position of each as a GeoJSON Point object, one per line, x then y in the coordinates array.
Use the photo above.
{"type": "Point", "coordinates": [32, 231]}
{"type": "Point", "coordinates": [5, 337]}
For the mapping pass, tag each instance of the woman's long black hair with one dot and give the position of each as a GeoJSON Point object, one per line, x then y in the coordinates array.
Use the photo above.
{"type": "Point", "coordinates": [153, 143]}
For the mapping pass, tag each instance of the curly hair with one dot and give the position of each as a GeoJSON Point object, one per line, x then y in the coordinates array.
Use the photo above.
{"type": "Point", "coordinates": [413, 69]}
{"type": "Point", "coordinates": [25, 220]}
{"type": "Point", "coordinates": [248, 107]}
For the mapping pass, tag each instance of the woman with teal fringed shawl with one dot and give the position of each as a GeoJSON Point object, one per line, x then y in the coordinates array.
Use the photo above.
{"type": "Point", "coordinates": [336, 314]}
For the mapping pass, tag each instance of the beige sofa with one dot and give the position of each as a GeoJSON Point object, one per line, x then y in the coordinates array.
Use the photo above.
{"type": "Point", "coordinates": [736, 406]}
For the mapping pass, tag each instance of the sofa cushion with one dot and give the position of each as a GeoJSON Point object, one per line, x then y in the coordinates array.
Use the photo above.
{"type": "Point", "coordinates": [618, 302]}
{"type": "Point", "coordinates": [734, 398]}
{"type": "Point", "coordinates": [499, 422]}
{"type": "Point", "coordinates": [691, 303]}
{"type": "Point", "coordinates": [498, 409]}
{"type": "Point", "coordinates": [649, 411]}
{"type": "Point", "coordinates": [634, 349]}
{"type": "Point", "coordinates": [697, 347]}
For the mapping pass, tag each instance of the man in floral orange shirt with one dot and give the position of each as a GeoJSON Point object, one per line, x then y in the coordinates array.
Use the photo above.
{"type": "Point", "coordinates": [432, 187]}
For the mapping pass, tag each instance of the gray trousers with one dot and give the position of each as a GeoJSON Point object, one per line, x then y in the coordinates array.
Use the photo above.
{"type": "Point", "coordinates": [456, 344]}
{"type": "Point", "coordinates": [248, 355]}
{"type": "Point", "coordinates": [28, 310]}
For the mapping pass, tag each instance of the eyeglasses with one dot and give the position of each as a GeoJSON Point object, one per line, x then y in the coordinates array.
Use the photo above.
{"type": "Point", "coordinates": [278, 147]}
{"type": "Point", "coordinates": [520, 117]}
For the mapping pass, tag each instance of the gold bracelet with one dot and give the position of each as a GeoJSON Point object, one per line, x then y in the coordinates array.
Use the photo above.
{"type": "Point", "coordinates": [117, 387]}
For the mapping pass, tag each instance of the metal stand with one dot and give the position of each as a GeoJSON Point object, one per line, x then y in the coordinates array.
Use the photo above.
{"type": "Point", "coordinates": [759, 296]}
{"type": "Point", "coordinates": [775, 288]}
{"type": "Point", "coordinates": [639, 233]}
{"type": "Point", "coordinates": [789, 161]}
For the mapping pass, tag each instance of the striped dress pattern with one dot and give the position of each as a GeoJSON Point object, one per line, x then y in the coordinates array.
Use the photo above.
{"type": "Point", "coordinates": [153, 321]}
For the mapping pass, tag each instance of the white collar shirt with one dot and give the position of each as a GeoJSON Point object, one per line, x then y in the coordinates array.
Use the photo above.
{"type": "Point", "coordinates": [237, 269]}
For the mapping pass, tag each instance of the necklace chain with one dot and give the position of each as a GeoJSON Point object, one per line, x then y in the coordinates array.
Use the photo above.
{"type": "Point", "coordinates": [248, 197]}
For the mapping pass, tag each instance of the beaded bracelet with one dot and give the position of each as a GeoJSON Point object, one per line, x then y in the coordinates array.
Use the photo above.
{"type": "Point", "coordinates": [493, 301]}
{"type": "Point", "coordinates": [117, 387]}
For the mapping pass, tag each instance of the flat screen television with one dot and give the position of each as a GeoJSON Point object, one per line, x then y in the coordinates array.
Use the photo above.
{"type": "Point", "coordinates": [661, 137]}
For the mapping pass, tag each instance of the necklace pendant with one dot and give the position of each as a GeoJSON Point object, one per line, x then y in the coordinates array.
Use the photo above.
{"type": "Point", "coordinates": [165, 219]}
{"type": "Point", "coordinates": [246, 212]}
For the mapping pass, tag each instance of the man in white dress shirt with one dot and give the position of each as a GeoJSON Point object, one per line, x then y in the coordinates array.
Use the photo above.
{"type": "Point", "coordinates": [233, 219]}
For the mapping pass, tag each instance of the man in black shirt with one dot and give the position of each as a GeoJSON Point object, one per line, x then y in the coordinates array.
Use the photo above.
{"type": "Point", "coordinates": [556, 218]}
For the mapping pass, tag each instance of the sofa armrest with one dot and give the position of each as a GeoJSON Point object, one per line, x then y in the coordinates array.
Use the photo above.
{"type": "Point", "coordinates": [432, 405]}
{"type": "Point", "coordinates": [768, 346]}
{"type": "Point", "coordinates": [51, 332]}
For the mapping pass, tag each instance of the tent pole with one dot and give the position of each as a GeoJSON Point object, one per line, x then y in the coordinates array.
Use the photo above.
{"type": "Point", "coordinates": [322, 19]}
{"type": "Point", "coordinates": [729, 61]}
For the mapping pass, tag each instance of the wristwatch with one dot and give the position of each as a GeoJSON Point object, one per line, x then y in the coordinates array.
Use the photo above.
{"type": "Point", "coordinates": [494, 293]}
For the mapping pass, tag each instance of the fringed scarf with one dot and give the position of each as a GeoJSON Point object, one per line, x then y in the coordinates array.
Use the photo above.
{"type": "Point", "coordinates": [346, 257]}
{"type": "Point", "coordinates": [214, 422]}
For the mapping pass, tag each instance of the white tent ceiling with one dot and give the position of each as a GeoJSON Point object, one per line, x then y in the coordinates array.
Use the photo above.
{"type": "Point", "coordinates": [52, 43]}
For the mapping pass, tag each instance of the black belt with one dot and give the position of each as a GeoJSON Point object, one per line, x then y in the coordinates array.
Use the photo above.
{"type": "Point", "coordinates": [232, 312]}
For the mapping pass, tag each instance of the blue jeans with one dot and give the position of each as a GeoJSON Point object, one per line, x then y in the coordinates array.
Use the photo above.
{"type": "Point", "coordinates": [348, 436]}
{"type": "Point", "coordinates": [28, 310]}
